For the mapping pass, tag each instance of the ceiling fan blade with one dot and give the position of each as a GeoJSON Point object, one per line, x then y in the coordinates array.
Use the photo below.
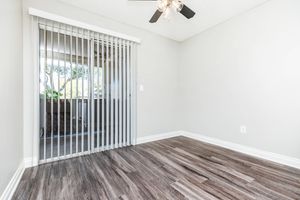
{"type": "Point", "coordinates": [156, 16]}
{"type": "Point", "coordinates": [187, 12]}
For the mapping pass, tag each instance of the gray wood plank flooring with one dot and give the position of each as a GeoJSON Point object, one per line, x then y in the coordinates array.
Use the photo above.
{"type": "Point", "coordinates": [176, 168]}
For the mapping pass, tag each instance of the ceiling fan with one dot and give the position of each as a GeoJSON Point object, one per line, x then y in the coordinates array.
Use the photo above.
{"type": "Point", "coordinates": [164, 5]}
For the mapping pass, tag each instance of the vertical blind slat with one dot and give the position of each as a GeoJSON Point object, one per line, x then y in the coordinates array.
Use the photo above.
{"type": "Point", "coordinates": [51, 77]}
{"type": "Point", "coordinates": [116, 95]}
{"type": "Point", "coordinates": [58, 98]}
{"type": "Point", "coordinates": [71, 93]}
{"type": "Point", "coordinates": [132, 93]}
{"type": "Point", "coordinates": [77, 77]}
{"type": "Point", "coordinates": [98, 96]}
{"type": "Point", "coordinates": [92, 96]}
{"type": "Point", "coordinates": [111, 94]}
{"type": "Point", "coordinates": [102, 93]}
{"type": "Point", "coordinates": [82, 94]}
{"type": "Point", "coordinates": [89, 91]}
{"type": "Point", "coordinates": [107, 96]}
{"type": "Point", "coordinates": [124, 93]}
{"type": "Point", "coordinates": [127, 96]}
{"type": "Point", "coordinates": [65, 94]}
{"type": "Point", "coordinates": [45, 94]}
{"type": "Point", "coordinates": [120, 93]}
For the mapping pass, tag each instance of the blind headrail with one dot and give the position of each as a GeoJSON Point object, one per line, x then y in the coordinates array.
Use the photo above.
{"type": "Point", "coordinates": [64, 20]}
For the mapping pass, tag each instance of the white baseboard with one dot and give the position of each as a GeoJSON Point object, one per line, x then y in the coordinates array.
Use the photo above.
{"type": "Point", "coordinates": [13, 183]}
{"type": "Point", "coordinates": [156, 137]}
{"type": "Point", "coordinates": [278, 158]}
{"type": "Point", "coordinates": [30, 162]}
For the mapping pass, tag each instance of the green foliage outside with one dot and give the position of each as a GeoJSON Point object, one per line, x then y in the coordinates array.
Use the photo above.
{"type": "Point", "coordinates": [52, 94]}
{"type": "Point", "coordinates": [75, 73]}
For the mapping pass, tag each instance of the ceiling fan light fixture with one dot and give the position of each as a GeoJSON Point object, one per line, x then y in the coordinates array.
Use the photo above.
{"type": "Point", "coordinates": [167, 13]}
{"type": "Point", "coordinates": [178, 5]}
{"type": "Point", "coordinates": [162, 5]}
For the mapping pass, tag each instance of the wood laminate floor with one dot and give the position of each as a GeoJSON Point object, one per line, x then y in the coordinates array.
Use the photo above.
{"type": "Point", "coordinates": [176, 168]}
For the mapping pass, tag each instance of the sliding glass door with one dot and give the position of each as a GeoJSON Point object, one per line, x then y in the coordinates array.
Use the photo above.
{"type": "Point", "coordinates": [86, 91]}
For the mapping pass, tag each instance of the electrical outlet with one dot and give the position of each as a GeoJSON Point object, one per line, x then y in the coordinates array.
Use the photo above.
{"type": "Point", "coordinates": [243, 129]}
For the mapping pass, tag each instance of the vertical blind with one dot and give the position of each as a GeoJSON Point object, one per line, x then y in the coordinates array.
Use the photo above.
{"type": "Point", "coordinates": [86, 91]}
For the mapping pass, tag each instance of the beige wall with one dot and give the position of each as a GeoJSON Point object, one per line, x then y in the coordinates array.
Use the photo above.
{"type": "Point", "coordinates": [246, 72]}
{"type": "Point", "coordinates": [11, 90]}
{"type": "Point", "coordinates": [157, 71]}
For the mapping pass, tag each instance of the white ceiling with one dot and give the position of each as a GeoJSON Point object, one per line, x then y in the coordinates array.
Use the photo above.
{"type": "Point", "coordinates": [208, 13]}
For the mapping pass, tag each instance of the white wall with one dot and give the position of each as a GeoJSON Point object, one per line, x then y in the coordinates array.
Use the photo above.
{"type": "Point", "coordinates": [157, 71]}
{"type": "Point", "coordinates": [246, 72]}
{"type": "Point", "coordinates": [11, 90]}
